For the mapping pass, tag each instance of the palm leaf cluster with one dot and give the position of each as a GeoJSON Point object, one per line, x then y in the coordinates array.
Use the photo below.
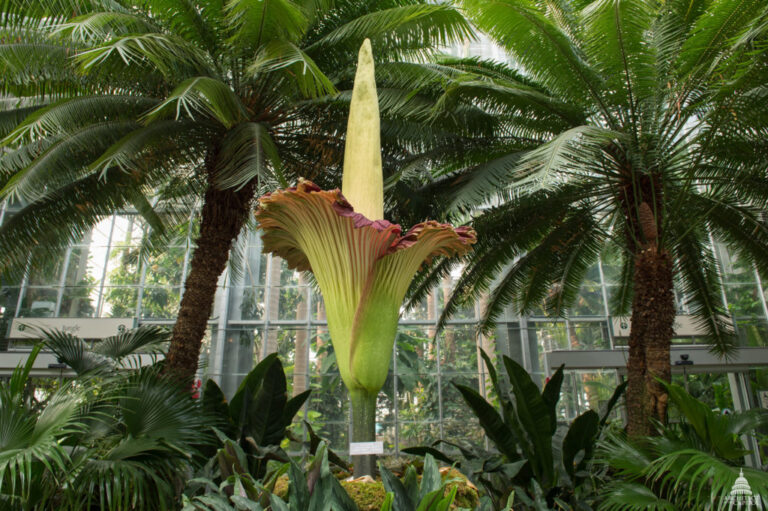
{"type": "Point", "coordinates": [117, 104]}
{"type": "Point", "coordinates": [117, 436]}
{"type": "Point", "coordinates": [608, 105]}
{"type": "Point", "coordinates": [692, 465]}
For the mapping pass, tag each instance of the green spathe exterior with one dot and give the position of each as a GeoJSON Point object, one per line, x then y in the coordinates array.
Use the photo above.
{"type": "Point", "coordinates": [362, 263]}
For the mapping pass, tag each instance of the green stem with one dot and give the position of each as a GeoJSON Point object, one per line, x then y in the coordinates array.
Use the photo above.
{"type": "Point", "coordinates": [363, 429]}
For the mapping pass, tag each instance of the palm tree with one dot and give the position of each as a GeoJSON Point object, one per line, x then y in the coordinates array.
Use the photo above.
{"type": "Point", "coordinates": [634, 125]}
{"type": "Point", "coordinates": [117, 103]}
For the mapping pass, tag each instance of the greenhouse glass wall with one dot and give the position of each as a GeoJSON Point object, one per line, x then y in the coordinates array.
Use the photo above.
{"type": "Point", "coordinates": [263, 307]}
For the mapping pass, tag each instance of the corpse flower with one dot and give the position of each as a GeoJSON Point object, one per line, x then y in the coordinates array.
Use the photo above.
{"type": "Point", "coordinates": [362, 263]}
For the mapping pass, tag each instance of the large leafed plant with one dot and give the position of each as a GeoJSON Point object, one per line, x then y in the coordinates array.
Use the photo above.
{"type": "Point", "coordinates": [362, 263]}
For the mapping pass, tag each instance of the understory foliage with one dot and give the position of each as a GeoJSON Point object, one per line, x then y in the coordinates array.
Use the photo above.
{"type": "Point", "coordinates": [690, 465]}
{"type": "Point", "coordinates": [541, 463]}
{"type": "Point", "coordinates": [117, 436]}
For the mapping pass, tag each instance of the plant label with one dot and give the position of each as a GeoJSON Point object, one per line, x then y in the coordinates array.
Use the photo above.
{"type": "Point", "coordinates": [361, 448]}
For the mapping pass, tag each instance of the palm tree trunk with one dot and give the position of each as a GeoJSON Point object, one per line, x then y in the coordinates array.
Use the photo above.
{"type": "Point", "coordinates": [273, 302]}
{"type": "Point", "coordinates": [653, 318]}
{"type": "Point", "coordinates": [223, 216]}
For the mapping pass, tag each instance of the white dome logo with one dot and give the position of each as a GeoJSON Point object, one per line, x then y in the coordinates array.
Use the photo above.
{"type": "Point", "coordinates": [740, 497]}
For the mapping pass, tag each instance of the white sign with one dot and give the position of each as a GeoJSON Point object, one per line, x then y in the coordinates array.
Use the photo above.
{"type": "Point", "coordinates": [85, 328]}
{"type": "Point", "coordinates": [685, 326]}
{"type": "Point", "coordinates": [360, 448]}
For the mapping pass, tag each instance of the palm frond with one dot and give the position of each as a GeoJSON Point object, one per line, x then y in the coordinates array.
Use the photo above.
{"type": "Point", "coordinates": [65, 115]}
{"type": "Point", "coordinates": [64, 160]}
{"type": "Point", "coordinates": [145, 339]}
{"type": "Point", "coordinates": [247, 152]}
{"type": "Point", "coordinates": [168, 55]}
{"type": "Point", "coordinates": [255, 22]}
{"type": "Point", "coordinates": [543, 50]}
{"type": "Point", "coordinates": [95, 27]}
{"type": "Point", "coordinates": [397, 31]}
{"type": "Point", "coordinates": [615, 40]}
{"type": "Point", "coordinates": [296, 65]}
{"type": "Point", "coordinates": [204, 97]}
{"type": "Point", "coordinates": [701, 285]}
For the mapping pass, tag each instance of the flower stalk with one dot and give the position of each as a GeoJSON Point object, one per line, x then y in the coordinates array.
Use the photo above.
{"type": "Point", "coordinates": [362, 263]}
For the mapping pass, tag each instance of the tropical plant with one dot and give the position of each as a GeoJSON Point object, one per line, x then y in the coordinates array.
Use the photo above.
{"type": "Point", "coordinates": [153, 104]}
{"type": "Point", "coordinates": [117, 436]}
{"type": "Point", "coordinates": [258, 415]}
{"type": "Point", "coordinates": [317, 490]}
{"type": "Point", "coordinates": [362, 263]}
{"type": "Point", "coordinates": [631, 124]}
{"type": "Point", "coordinates": [410, 494]}
{"type": "Point", "coordinates": [532, 456]}
{"type": "Point", "coordinates": [690, 465]}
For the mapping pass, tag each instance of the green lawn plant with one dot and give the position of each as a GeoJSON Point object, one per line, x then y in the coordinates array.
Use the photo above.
{"type": "Point", "coordinates": [362, 263]}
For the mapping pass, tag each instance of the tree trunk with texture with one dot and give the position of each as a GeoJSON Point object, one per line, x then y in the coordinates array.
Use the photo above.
{"type": "Point", "coordinates": [653, 318]}
{"type": "Point", "coordinates": [223, 215]}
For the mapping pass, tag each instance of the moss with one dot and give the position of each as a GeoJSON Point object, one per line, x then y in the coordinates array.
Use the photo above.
{"type": "Point", "coordinates": [466, 495]}
{"type": "Point", "coordinates": [281, 487]}
{"type": "Point", "coordinates": [367, 496]}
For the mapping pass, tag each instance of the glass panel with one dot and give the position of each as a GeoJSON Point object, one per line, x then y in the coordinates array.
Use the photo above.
{"type": "Point", "coordinates": [100, 234]}
{"type": "Point", "coordinates": [246, 303]}
{"type": "Point", "coordinates": [589, 301]}
{"type": "Point", "coordinates": [734, 267]}
{"type": "Point", "coordinates": [85, 266]}
{"type": "Point", "coordinates": [458, 349]}
{"type": "Point", "coordinates": [711, 388]}
{"type": "Point", "coordinates": [128, 231]}
{"type": "Point", "coordinates": [80, 302]}
{"type": "Point", "coordinates": [292, 303]}
{"type": "Point", "coordinates": [586, 390]}
{"type": "Point", "coordinates": [322, 359]}
{"type": "Point", "coordinates": [414, 434]}
{"type": "Point", "coordinates": [424, 310]}
{"type": "Point", "coordinates": [123, 267]}
{"type": "Point", "coordinates": [744, 300]}
{"type": "Point", "coordinates": [458, 419]}
{"type": "Point", "coordinates": [415, 351]}
{"type": "Point", "coordinates": [752, 332]}
{"type": "Point", "coordinates": [550, 336]}
{"type": "Point", "coordinates": [241, 351]}
{"type": "Point", "coordinates": [328, 401]}
{"type": "Point", "coordinates": [48, 273]}
{"type": "Point", "coordinates": [160, 302]}
{"type": "Point", "coordinates": [589, 335]}
{"type": "Point", "coordinates": [39, 303]}
{"type": "Point", "coordinates": [119, 302]}
{"type": "Point", "coordinates": [9, 297]}
{"type": "Point", "coordinates": [444, 294]}
{"type": "Point", "coordinates": [254, 267]}
{"type": "Point", "coordinates": [417, 398]}
{"type": "Point", "coordinates": [166, 268]}
{"type": "Point", "coordinates": [289, 277]}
